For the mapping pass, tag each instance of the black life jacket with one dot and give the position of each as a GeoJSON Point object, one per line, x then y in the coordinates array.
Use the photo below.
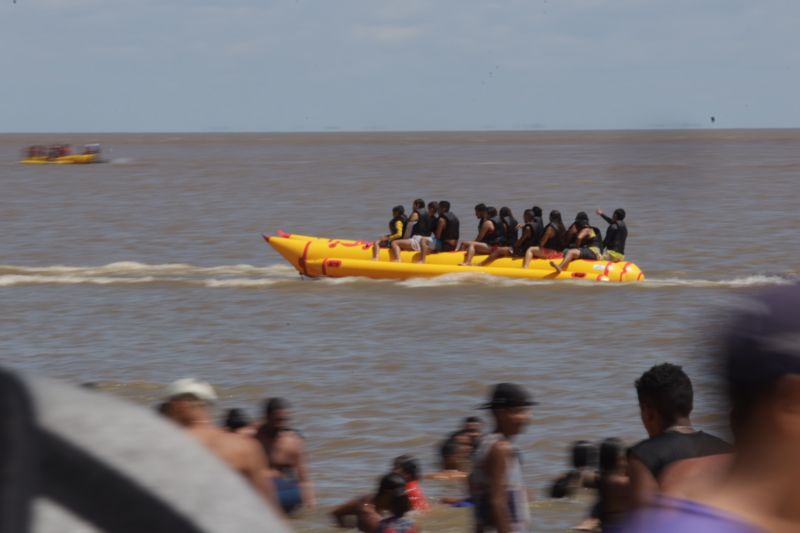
{"type": "Point", "coordinates": [402, 220]}
{"type": "Point", "coordinates": [615, 237]}
{"type": "Point", "coordinates": [498, 237]}
{"type": "Point", "coordinates": [596, 240]}
{"type": "Point", "coordinates": [556, 242]}
{"type": "Point", "coordinates": [522, 246]}
{"type": "Point", "coordinates": [512, 234]}
{"type": "Point", "coordinates": [451, 231]}
{"type": "Point", "coordinates": [538, 230]}
{"type": "Point", "coordinates": [423, 225]}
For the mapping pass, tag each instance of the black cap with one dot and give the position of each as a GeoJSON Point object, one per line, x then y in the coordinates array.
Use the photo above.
{"type": "Point", "coordinates": [762, 342]}
{"type": "Point", "coordinates": [506, 395]}
{"type": "Point", "coordinates": [582, 216]}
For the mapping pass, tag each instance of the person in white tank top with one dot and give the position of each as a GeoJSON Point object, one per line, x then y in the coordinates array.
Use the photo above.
{"type": "Point", "coordinates": [496, 484]}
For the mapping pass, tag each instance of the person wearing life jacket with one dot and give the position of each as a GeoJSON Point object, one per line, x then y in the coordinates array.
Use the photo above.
{"type": "Point", "coordinates": [525, 241]}
{"type": "Point", "coordinates": [616, 235]}
{"type": "Point", "coordinates": [420, 225]}
{"type": "Point", "coordinates": [480, 214]}
{"type": "Point", "coordinates": [397, 226]}
{"type": "Point", "coordinates": [574, 229]}
{"type": "Point", "coordinates": [445, 237]}
{"type": "Point", "coordinates": [552, 242]}
{"type": "Point", "coordinates": [491, 236]}
{"type": "Point", "coordinates": [588, 242]}
{"type": "Point", "coordinates": [538, 225]}
{"type": "Point", "coordinates": [511, 226]}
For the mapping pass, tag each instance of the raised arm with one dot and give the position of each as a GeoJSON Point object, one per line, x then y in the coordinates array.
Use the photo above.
{"type": "Point", "coordinates": [605, 217]}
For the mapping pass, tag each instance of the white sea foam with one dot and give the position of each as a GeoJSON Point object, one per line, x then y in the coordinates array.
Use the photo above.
{"type": "Point", "coordinates": [253, 277]}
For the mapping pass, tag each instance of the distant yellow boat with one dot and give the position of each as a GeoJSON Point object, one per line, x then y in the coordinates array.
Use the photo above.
{"type": "Point", "coordinates": [59, 154]}
{"type": "Point", "coordinates": [317, 256]}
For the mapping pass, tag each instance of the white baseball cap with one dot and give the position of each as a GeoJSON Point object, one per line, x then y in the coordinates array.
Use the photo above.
{"type": "Point", "coordinates": [199, 388]}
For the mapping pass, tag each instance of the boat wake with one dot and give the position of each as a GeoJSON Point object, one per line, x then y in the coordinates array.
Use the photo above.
{"type": "Point", "coordinates": [240, 276]}
{"type": "Point", "coordinates": [133, 273]}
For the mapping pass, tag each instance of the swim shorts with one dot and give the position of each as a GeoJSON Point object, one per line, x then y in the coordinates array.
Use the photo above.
{"type": "Point", "coordinates": [416, 241]}
{"type": "Point", "coordinates": [613, 256]}
{"type": "Point", "coordinates": [288, 493]}
{"type": "Point", "coordinates": [592, 254]}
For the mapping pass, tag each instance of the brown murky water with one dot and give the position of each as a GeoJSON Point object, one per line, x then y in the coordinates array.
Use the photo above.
{"type": "Point", "coordinates": [151, 267]}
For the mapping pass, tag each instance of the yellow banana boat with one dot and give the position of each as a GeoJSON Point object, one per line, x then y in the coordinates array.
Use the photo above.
{"type": "Point", "coordinates": [319, 256]}
{"type": "Point", "coordinates": [72, 159]}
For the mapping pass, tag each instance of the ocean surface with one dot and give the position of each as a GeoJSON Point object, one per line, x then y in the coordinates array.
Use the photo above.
{"type": "Point", "coordinates": [152, 267]}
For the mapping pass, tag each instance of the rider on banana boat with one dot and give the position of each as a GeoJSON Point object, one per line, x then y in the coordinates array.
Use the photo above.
{"type": "Point", "coordinates": [445, 237]}
{"type": "Point", "coordinates": [520, 245]}
{"type": "Point", "coordinates": [492, 234]}
{"type": "Point", "coordinates": [616, 235]}
{"type": "Point", "coordinates": [552, 243]}
{"type": "Point", "coordinates": [573, 229]}
{"type": "Point", "coordinates": [420, 224]}
{"type": "Point", "coordinates": [511, 226]}
{"type": "Point", "coordinates": [396, 227]}
{"type": "Point", "coordinates": [589, 245]}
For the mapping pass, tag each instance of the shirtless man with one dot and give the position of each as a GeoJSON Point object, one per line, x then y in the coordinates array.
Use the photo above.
{"type": "Point", "coordinates": [188, 404]}
{"type": "Point", "coordinates": [286, 451]}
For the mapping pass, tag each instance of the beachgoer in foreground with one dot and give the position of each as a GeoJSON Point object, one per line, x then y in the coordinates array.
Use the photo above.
{"type": "Point", "coordinates": [665, 402]}
{"type": "Point", "coordinates": [188, 403]}
{"type": "Point", "coordinates": [386, 513]}
{"type": "Point", "coordinates": [613, 484]}
{"type": "Point", "coordinates": [498, 489]}
{"type": "Point", "coordinates": [759, 357]}
{"type": "Point", "coordinates": [397, 226]}
{"type": "Point", "coordinates": [583, 473]}
{"type": "Point", "coordinates": [616, 235]}
{"type": "Point", "coordinates": [552, 243]}
{"type": "Point", "coordinates": [286, 450]}
{"type": "Point", "coordinates": [408, 468]}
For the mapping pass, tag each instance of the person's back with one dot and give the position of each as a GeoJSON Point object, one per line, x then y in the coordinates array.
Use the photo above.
{"type": "Point", "coordinates": [657, 453]}
{"type": "Point", "coordinates": [616, 235]}
{"type": "Point", "coordinates": [665, 401]}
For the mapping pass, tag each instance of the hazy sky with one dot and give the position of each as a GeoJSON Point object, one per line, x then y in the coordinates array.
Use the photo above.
{"type": "Point", "coordinates": [320, 65]}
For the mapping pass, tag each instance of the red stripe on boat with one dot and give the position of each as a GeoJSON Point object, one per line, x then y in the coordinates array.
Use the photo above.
{"type": "Point", "coordinates": [302, 261]}
{"type": "Point", "coordinates": [283, 234]}
{"type": "Point", "coordinates": [624, 271]}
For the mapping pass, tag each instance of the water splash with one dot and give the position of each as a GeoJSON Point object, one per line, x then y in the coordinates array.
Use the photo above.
{"type": "Point", "coordinates": [243, 276]}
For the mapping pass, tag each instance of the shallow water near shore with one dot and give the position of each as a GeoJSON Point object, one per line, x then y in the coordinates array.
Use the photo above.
{"type": "Point", "coordinates": [151, 267]}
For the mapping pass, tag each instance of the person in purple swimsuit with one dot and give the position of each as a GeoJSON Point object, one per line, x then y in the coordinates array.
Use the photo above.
{"type": "Point", "coordinates": [760, 491]}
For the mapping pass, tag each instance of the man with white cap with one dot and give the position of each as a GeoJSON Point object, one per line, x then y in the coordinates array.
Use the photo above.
{"type": "Point", "coordinates": [188, 403]}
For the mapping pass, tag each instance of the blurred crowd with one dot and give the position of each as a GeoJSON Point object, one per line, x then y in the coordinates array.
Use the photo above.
{"type": "Point", "coordinates": [678, 477]}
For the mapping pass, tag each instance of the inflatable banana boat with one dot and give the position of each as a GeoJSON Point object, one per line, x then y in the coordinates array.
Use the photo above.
{"type": "Point", "coordinates": [61, 154]}
{"type": "Point", "coordinates": [337, 258]}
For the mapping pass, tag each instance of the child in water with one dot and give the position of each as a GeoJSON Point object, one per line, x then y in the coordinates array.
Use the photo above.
{"type": "Point", "coordinates": [386, 513]}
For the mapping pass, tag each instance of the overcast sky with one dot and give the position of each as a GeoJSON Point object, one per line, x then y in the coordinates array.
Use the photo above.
{"type": "Point", "coordinates": [353, 65]}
